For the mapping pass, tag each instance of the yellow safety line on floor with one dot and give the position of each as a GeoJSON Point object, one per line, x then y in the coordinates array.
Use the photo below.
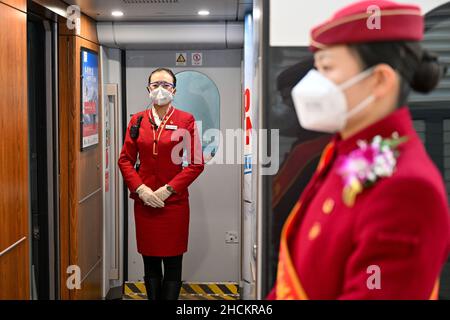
{"type": "Point", "coordinates": [140, 286]}
{"type": "Point", "coordinates": [214, 288]}
{"type": "Point", "coordinates": [189, 291]}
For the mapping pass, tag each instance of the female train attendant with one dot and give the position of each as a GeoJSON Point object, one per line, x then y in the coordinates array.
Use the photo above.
{"type": "Point", "coordinates": [160, 185]}
{"type": "Point", "coordinates": [373, 222]}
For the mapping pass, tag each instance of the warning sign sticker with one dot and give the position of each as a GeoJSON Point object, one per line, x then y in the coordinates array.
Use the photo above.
{"type": "Point", "coordinates": [197, 59]}
{"type": "Point", "coordinates": [181, 59]}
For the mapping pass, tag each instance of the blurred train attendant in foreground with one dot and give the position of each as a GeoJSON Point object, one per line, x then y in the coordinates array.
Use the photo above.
{"type": "Point", "coordinates": [300, 163]}
{"type": "Point", "coordinates": [159, 185]}
{"type": "Point", "coordinates": [373, 222]}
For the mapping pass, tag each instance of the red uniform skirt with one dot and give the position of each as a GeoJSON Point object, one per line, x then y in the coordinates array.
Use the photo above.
{"type": "Point", "coordinates": [162, 232]}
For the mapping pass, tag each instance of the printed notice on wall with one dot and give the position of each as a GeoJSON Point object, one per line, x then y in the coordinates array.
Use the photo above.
{"type": "Point", "coordinates": [89, 98]}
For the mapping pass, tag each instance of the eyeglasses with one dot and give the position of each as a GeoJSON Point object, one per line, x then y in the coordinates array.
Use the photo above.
{"type": "Point", "coordinates": [155, 85]}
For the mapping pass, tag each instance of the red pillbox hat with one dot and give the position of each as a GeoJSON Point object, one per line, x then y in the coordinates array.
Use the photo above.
{"type": "Point", "coordinates": [370, 21]}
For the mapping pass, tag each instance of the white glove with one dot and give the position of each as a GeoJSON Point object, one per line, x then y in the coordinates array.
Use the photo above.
{"type": "Point", "coordinates": [162, 193]}
{"type": "Point", "coordinates": [148, 197]}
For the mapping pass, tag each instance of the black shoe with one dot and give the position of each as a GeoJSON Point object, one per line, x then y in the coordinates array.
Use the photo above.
{"type": "Point", "coordinates": [171, 290]}
{"type": "Point", "coordinates": [153, 288]}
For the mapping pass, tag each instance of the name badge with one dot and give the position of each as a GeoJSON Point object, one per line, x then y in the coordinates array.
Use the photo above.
{"type": "Point", "coordinates": [171, 127]}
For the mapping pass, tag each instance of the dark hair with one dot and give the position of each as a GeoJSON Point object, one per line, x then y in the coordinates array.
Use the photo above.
{"type": "Point", "coordinates": [164, 70]}
{"type": "Point", "coordinates": [419, 69]}
{"type": "Point", "coordinates": [290, 76]}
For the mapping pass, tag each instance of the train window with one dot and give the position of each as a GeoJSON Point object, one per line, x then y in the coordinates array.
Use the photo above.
{"type": "Point", "coordinates": [199, 95]}
{"type": "Point", "coordinates": [437, 40]}
{"type": "Point", "coordinates": [299, 149]}
{"type": "Point", "coordinates": [432, 112]}
{"type": "Point", "coordinates": [420, 127]}
{"type": "Point", "coordinates": [446, 160]}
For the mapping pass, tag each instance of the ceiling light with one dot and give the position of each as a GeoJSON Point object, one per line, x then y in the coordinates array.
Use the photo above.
{"type": "Point", "coordinates": [203, 12]}
{"type": "Point", "coordinates": [117, 13]}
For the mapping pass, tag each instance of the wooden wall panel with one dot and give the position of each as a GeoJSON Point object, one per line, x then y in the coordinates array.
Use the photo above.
{"type": "Point", "coordinates": [14, 153]}
{"type": "Point", "coordinates": [90, 244]}
{"type": "Point", "coordinates": [88, 29]}
{"type": "Point", "coordinates": [14, 273]}
{"type": "Point", "coordinates": [66, 104]}
{"type": "Point", "coordinates": [18, 4]}
{"type": "Point", "coordinates": [81, 184]}
{"type": "Point", "coordinates": [92, 284]}
{"type": "Point", "coordinates": [90, 211]}
{"type": "Point", "coordinates": [90, 172]}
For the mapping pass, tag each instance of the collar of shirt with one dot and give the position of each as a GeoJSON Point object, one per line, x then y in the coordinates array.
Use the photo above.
{"type": "Point", "coordinates": [158, 121]}
{"type": "Point", "coordinates": [398, 121]}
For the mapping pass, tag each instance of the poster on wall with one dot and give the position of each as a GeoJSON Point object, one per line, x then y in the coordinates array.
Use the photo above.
{"type": "Point", "coordinates": [89, 98]}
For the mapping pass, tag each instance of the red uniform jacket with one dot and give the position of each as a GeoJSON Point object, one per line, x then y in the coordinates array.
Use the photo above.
{"type": "Point", "coordinates": [162, 231]}
{"type": "Point", "coordinates": [400, 227]}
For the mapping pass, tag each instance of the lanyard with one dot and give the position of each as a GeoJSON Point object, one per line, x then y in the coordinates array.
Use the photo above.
{"type": "Point", "coordinates": [157, 132]}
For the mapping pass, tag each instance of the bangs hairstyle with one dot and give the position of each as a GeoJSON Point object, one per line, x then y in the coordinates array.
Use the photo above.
{"type": "Point", "coordinates": [170, 72]}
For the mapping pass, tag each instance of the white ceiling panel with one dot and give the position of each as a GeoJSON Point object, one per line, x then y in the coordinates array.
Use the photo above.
{"type": "Point", "coordinates": [164, 10]}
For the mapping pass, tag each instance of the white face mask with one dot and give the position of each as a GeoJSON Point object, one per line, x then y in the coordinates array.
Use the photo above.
{"type": "Point", "coordinates": [321, 104]}
{"type": "Point", "coordinates": [161, 96]}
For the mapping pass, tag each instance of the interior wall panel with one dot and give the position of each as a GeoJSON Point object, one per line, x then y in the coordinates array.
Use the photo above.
{"type": "Point", "coordinates": [17, 4]}
{"type": "Point", "coordinates": [81, 206]}
{"type": "Point", "coordinates": [14, 200]}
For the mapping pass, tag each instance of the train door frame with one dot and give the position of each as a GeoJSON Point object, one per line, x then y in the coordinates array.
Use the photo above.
{"type": "Point", "coordinates": [131, 263]}
{"type": "Point", "coordinates": [45, 227]}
